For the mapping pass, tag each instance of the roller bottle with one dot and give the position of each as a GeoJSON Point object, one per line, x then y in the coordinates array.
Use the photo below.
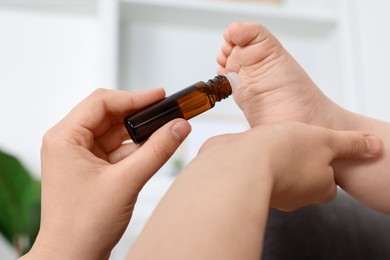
{"type": "Point", "coordinates": [186, 104]}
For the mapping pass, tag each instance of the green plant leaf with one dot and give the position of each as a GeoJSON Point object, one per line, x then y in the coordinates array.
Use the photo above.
{"type": "Point", "coordinates": [19, 203]}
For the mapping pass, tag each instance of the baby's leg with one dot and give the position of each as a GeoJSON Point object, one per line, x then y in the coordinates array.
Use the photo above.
{"type": "Point", "coordinates": [274, 86]}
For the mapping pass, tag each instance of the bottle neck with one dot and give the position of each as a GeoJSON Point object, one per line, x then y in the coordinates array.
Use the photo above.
{"type": "Point", "coordinates": [219, 87]}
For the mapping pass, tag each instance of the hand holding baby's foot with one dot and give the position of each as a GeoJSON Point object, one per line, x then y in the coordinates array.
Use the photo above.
{"type": "Point", "coordinates": [274, 87]}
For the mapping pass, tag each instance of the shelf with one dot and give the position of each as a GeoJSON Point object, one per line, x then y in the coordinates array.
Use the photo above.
{"type": "Point", "coordinates": [247, 9]}
{"type": "Point", "coordinates": [75, 7]}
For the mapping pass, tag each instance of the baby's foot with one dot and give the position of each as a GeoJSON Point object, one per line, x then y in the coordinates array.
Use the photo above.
{"type": "Point", "coordinates": [274, 87]}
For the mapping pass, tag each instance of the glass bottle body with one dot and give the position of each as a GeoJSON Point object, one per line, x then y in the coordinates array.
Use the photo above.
{"type": "Point", "coordinates": [186, 104]}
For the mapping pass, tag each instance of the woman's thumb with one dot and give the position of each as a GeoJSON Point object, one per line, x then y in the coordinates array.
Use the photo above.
{"type": "Point", "coordinates": [353, 145]}
{"type": "Point", "coordinates": [154, 153]}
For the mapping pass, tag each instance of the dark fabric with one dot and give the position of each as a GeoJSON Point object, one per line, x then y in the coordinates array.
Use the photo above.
{"type": "Point", "coordinates": [342, 229]}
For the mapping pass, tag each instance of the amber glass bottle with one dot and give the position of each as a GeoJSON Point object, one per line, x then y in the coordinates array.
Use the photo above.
{"type": "Point", "coordinates": [186, 104]}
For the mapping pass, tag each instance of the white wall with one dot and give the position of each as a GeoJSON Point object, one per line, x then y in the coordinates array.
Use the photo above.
{"type": "Point", "coordinates": [373, 41]}
{"type": "Point", "coordinates": [47, 65]}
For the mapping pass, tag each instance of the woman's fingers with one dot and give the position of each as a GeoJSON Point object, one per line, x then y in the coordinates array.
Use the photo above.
{"type": "Point", "coordinates": [104, 108]}
{"type": "Point", "coordinates": [154, 152]}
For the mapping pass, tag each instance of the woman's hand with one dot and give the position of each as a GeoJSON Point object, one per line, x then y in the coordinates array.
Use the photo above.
{"type": "Point", "coordinates": [91, 178]}
{"type": "Point", "coordinates": [294, 157]}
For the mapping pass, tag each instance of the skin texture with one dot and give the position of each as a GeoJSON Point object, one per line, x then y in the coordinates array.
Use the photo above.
{"type": "Point", "coordinates": [275, 88]}
{"type": "Point", "coordinates": [218, 206]}
{"type": "Point", "coordinates": [91, 179]}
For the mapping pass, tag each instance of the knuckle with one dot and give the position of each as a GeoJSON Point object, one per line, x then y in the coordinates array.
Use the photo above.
{"type": "Point", "coordinates": [49, 142]}
{"type": "Point", "coordinates": [350, 146]}
{"type": "Point", "coordinates": [356, 147]}
{"type": "Point", "coordinates": [210, 142]}
{"type": "Point", "coordinates": [53, 140]}
{"type": "Point", "coordinates": [48, 139]}
{"type": "Point", "coordinates": [217, 142]}
{"type": "Point", "coordinates": [99, 91]}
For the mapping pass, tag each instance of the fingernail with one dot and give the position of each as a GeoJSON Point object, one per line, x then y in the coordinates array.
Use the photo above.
{"type": "Point", "coordinates": [374, 145]}
{"type": "Point", "coordinates": [180, 130]}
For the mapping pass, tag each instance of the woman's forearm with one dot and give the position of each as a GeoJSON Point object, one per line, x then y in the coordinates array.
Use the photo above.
{"type": "Point", "coordinates": [210, 212]}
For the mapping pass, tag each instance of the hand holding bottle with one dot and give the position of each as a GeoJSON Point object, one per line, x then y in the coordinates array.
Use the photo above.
{"type": "Point", "coordinates": [91, 178]}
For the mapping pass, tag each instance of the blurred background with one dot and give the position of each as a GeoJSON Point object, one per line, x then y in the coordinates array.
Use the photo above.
{"type": "Point", "coordinates": [53, 53]}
